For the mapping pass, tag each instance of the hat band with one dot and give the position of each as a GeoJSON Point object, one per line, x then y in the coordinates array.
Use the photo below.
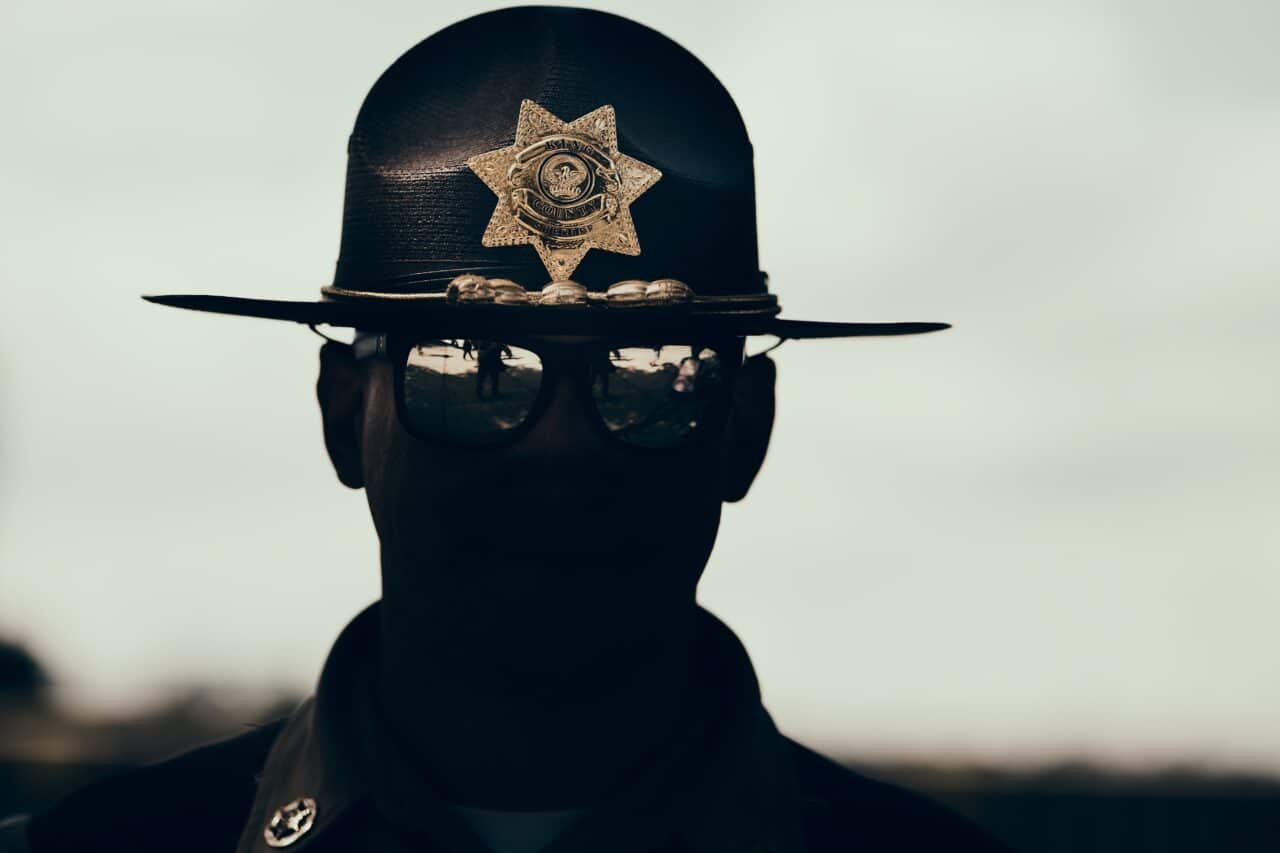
{"type": "Point", "coordinates": [730, 305]}
{"type": "Point", "coordinates": [418, 277]}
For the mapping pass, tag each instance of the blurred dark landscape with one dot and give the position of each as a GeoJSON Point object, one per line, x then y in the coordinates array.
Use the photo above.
{"type": "Point", "coordinates": [46, 751]}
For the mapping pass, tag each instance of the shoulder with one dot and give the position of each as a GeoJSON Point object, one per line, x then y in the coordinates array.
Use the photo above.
{"type": "Point", "coordinates": [199, 799]}
{"type": "Point", "coordinates": [842, 807]}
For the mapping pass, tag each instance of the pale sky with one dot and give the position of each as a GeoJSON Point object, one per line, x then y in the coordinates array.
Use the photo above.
{"type": "Point", "coordinates": [1048, 532]}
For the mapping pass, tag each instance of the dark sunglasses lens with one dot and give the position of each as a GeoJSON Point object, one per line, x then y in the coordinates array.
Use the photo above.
{"type": "Point", "coordinates": [470, 392]}
{"type": "Point", "coordinates": [656, 396]}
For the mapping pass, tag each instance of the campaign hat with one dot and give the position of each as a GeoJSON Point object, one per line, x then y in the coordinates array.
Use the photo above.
{"type": "Point", "coordinates": [548, 170]}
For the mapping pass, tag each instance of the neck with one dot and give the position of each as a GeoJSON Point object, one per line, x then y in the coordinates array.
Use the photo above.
{"type": "Point", "coordinates": [537, 710]}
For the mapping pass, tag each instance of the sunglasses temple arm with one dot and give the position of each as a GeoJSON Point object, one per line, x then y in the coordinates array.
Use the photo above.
{"type": "Point", "coordinates": [768, 349]}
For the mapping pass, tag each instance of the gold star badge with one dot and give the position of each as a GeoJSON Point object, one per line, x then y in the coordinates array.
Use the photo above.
{"type": "Point", "coordinates": [564, 188]}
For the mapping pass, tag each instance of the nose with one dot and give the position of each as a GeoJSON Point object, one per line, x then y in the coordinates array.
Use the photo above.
{"type": "Point", "coordinates": [564, 427]}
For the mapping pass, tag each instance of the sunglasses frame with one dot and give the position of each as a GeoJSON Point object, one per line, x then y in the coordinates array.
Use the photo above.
{"type": "Point", "coordinates": [557, 359]}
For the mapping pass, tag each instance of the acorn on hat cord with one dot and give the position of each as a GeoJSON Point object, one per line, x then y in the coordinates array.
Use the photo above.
{"type": "Point", "coordinates": [507, 292]}
{"type": "Point", "coordinates": [563, 293]}
{"type": "Point", "coordinates": [669, 290]}
{"type": "Point", "coordinates": [466, 287]}
{"type": "Point", "coordinates": [632, 290]}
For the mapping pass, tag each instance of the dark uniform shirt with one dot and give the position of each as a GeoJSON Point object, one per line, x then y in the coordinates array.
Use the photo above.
{"type": "Point", "coordinates": [335, 777]}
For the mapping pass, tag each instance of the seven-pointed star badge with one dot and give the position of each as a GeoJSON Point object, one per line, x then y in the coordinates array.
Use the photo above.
{"type": "Point", "coordinates": [564, 188]}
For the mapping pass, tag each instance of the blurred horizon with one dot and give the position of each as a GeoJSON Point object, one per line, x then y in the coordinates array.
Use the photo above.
{"type": "Point", "coordinates": [1059, 515]}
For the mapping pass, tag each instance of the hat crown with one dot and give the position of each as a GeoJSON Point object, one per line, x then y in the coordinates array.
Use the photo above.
{"type": "Point", "coordinates": [415, 214]}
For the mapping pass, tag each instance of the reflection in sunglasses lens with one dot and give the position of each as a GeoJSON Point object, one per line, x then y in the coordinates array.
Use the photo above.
{"type": "Point", "coordinates": [654, 396]}
{"type": "Point", "coordinates": [469, 391]}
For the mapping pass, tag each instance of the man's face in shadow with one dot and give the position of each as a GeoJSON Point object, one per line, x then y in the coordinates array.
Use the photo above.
{"type": "Point", "coordinates": [564, 541]}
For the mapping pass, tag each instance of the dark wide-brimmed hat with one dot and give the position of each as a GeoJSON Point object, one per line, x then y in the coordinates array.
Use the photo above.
{"type": "Point", "coordinates": [548, 170]}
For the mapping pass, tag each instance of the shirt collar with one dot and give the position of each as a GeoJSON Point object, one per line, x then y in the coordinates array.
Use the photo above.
{"type": "Point", "coordinates": [725, 785]}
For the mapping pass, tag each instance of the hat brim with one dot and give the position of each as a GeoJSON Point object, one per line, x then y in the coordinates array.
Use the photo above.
{"type": "Point", "coordinates": [701, 316]}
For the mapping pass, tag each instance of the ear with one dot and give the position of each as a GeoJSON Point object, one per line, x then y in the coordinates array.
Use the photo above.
{"type": "Point", "coordinates": [746, 435]}
{"type": "Point", "coordinates": [340, 390]}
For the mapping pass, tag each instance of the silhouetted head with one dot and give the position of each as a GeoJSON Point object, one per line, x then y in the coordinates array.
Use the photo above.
{"type": "Point", "coordinates": [560, 545]}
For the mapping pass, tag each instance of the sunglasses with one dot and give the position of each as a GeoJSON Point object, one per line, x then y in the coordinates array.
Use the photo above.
{"type": "Point", "coordinates": [485, 393]}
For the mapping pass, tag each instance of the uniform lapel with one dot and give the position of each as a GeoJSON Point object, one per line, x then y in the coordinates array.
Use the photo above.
{"type": "Point", "coordinates": [724, 784]}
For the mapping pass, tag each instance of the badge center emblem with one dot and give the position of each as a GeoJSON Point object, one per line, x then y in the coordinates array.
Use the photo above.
{"type": "Point", "coordinates": [564, 188]}
{"type": "Point", "coordinates": [564, 177]}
